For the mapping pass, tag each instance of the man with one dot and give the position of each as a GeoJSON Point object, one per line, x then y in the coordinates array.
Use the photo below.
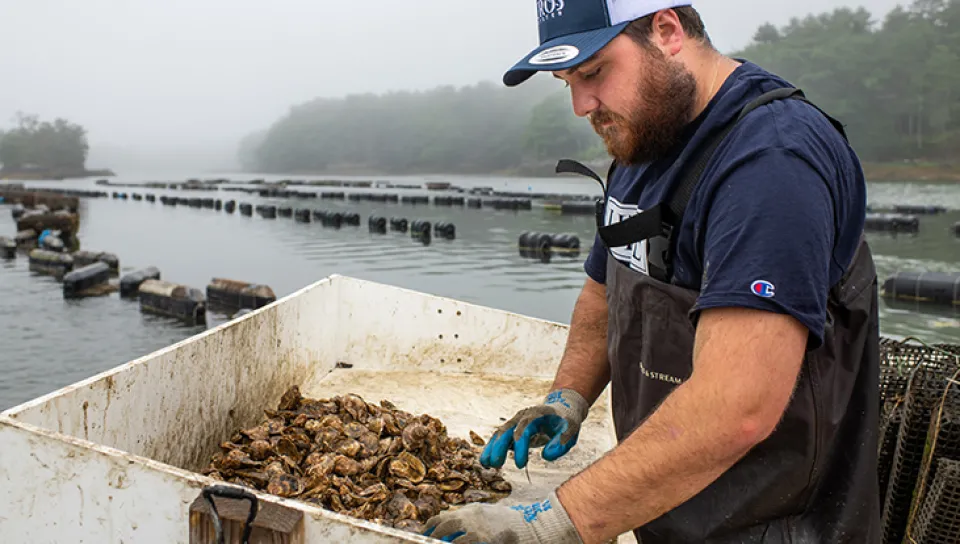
{"type": "Point", "coordinates": [731, 303]}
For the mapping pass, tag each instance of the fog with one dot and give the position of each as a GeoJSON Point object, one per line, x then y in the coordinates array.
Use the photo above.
{"type": "Point", "coordinates": [183, 80]}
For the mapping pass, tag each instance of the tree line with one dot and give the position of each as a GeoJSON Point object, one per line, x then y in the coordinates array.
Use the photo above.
{"type": "Point", "coordinates": [894, 83]}
{"type": "Point", "coordinates": [35, 146]}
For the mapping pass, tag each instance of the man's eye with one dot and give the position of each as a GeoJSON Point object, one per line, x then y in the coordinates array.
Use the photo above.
{"type": "Point", "coordinates": [592, 74]}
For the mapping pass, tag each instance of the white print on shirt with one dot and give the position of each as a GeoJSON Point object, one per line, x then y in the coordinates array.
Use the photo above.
{"type": "Point", "coordinates": [633, 255]}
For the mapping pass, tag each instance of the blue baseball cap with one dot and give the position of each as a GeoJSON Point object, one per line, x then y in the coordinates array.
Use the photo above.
{"type": "Point", "coordinates": [572, 31]}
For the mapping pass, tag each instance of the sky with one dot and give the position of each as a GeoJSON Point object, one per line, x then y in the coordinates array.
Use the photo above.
{"type": "Point", "coordinates": [189, 78]}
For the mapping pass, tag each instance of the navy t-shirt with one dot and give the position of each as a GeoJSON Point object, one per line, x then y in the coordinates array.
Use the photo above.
{"type": "Point", "coordinates": [776, 217]}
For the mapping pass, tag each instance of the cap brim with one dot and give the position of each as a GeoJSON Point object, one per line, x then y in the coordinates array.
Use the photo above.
{"type": "Point", "coordinates": [562, 53]}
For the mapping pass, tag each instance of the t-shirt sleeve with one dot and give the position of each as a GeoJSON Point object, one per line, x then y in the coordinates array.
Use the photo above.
{"type": "Point", "coordinates": [596, 264]}
{"type": "Point", "coordinates": [768, 240]}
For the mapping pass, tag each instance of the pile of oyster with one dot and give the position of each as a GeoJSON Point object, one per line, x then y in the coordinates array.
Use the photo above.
{"type": "Point", "coordinates": [373, 462]}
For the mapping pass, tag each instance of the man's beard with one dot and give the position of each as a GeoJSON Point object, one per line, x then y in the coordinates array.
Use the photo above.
{"type": "Point", "coordinates": [666, 98]}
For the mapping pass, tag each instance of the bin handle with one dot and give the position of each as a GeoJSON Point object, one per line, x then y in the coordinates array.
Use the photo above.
{"type": "Point", "coordinates": [229, 492]}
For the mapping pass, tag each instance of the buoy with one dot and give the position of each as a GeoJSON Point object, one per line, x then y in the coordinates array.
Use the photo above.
{"type": "Point", "coordinates": [398, 224]}
{"type": "Point", "coordinates": [578, 208]}
{"type": "Point", "coordinates": [935, 288]}
{"type": "Point", "coordinates": [235, 295]}
{"type": "Point", "coordinates": [173, 300]}
{"type": "Point", "coordinates": [130, 284]}
{"type": "Point", "coordinates": [43, 261]}
{"type": "Point", "coordinates": [913, 209]}
{"type": "Point", "coordinates": [246, 209]}
{"type": "Point", "coordinates": [84, 258]}
{"type": "Point", "coordinates": [51, 242]}
{"type": "Point", "coordinates": [88, 281]}
{"type": "Point", "coordinates": [285, 211]}
{"type": "Point", "coordinates": [420, 229]}
{"type": "Point", "coordinates": [331, 219]}
{"type": "Point", "coordinates": [218, 204]}
{"type": "Point", "coordinates": [302, 215]}
{"type": "Point", "coordinates": [956, 228]}
{"type": "Point", "coordinates": [445, 230]}
{"type": "Point", "coordinates": [475, 203]}
{"type": "Point", "coordinates": [195, 202]}
{"type": "Point", "coordinates": [8, 248]}
{"type": "Point", "coordinates": [888, 222]}
{"type": "Point", "coordinates": [415, 200]}
{"type": "Point", "coordinates": [168, 200]}
{"type": "Point", "coordinates": [377, 224]}
{"type": "Point", "coordinates": [137, 196]}
{"type": "Point", "coordinates": [448, 200]}
{"type": "Point", "coordinates": [352, 219]}
{"type": "Point", "coordinates": [566, 242]}
{"type": "Point", "coordinates": [332, 195]}
{"type": "Point", "coordinates": [151, 198]}
{"type": "Point", "coordinates": [230, 206]}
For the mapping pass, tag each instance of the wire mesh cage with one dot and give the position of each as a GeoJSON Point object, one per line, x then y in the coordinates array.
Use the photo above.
{"type": "Point", "coordinates": [939, 518]}
{"type": "Point", "coordinates": [920, 424]}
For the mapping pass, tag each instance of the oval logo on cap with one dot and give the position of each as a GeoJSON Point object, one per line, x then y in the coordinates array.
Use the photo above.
{"type": "Point", "coordinates": [555, 55]}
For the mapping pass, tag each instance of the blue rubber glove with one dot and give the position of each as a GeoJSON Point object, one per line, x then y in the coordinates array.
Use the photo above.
{"type": "Point", "coordinates": [553, 425]}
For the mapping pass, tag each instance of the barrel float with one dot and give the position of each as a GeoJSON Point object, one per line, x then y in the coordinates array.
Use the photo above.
{"type": "Point", "coordinates": [565, 243]}
{"type": "Point", "coordinates": [420, 229]}
{"type": "Point", "coordinates": [445, 230]}
{"type": "Point", "coordinates": [89, 281]}
{"type": "Point", "coordinates": [355, 197]}
{"type": "Point", "coordinates": [136, 196]}
{"type": "Point", "coordinates": [393, 198]}
{"type": "Point", "coordinates": [84, 258]}
{"type": "Point", "coordinates": [475, 203]}
{"type": "Point", "coordinates": [8, 248]}
{"type": "Point", "coordinates": [173, 300]}
{"type": "Point", "coordinates": [936, 288]}
{"type": "Point", "coordinates": [184, 201]}
{"type": "Point", "coordinates": [44, 261]}
{"type": "Point", "coordinates": [398, 224]}
{"type": "Point", "coordinates": [415, 200]}
{"type": "Point", "coordinates": [115, 195]}
{"type": "Point", "coordinates": [285, 211]}
{"type": "Point", "coordinates": [26, 239]}
{"type": "Point", "coordinates": [332, 195]}
{"type": "Point", "coordinates": [195, 202]}
{"type": "Point", "coordinates": [331, 219]}
{"type": "Point", "coordinates": [956, 228]}
{"type": "Point", "coordinates": [352, 219]}
{"type": "Point", "coordinates": [890, 222]}
{"type": "Point", "coordinates": [578, 208]}
{"type": "Point", "coordinates": [208, 203]}
{"type": "Point", "coordinates": [130, 284]}
{"type": "Point", "coordinates": [534, 244]}
{"type": "Point", "coordinates": [448, 200]}
{"type": "Point", "coordinates": [218, 204]}
{"type": "Point", "coordinates": [267, 212]}
{"type": "Point", "coordinates": [235, 295]}
{"type": "Point", "coordinates": [246, 209]}
{"type": "Point", "coordinates": [377, 224]}
{"type": "Point", "coordinates": [913, 209]}
{"type": "Point", "coordinates": [168, 200]}
{"type": "Point", "coordinates": [302, 215]}
{"type": "Point", "coordinates": [151, 198]}
{"type": "Point", "coordinates": [229, 206]}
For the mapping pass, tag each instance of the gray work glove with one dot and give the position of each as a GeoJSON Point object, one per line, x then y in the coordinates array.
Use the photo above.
{"type": "Point", "coordinates": [538, 523]}
{"type": "Point", "coordinates": [554, 424]}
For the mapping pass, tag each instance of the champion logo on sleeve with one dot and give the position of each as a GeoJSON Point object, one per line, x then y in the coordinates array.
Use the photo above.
{"type": "Point", "coordinates": [762, 288]}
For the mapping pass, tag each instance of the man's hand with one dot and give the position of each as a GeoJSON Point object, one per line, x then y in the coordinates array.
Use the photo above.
{"type": "Point", "coordinates": [554, 424]}
{"type": "Point", "coordinates": [539, 523]}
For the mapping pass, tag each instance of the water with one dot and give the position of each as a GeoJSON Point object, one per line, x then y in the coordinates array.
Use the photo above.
{"type": "Point", "coordinates": [48, 342]}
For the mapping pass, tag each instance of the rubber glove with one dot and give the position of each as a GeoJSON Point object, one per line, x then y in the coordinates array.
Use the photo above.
{"type": "Point", "coordinates": [555, 424]}
{"type": "Point", "coordinates": [542, 522]}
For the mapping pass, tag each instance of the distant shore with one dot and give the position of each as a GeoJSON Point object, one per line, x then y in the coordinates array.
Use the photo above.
{"type": "Point", "coordinates": [912, 172]}
{"type": "Point", "coordinates": [36, 174]}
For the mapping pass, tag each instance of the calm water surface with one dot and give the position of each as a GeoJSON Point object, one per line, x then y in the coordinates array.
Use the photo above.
{"type": "Point", "coordinates": [48, 342]}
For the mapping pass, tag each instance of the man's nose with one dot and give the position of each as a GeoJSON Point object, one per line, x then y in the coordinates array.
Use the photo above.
{"type": "Point", "coordinates": [584, 102]}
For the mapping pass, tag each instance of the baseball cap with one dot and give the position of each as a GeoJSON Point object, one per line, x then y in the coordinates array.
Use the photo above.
{"type": "Point", "coordinates": [572, 31]}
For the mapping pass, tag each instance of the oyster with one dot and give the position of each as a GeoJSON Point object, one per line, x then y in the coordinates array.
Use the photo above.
{"type": "Point", "coordinates": [370, 461]}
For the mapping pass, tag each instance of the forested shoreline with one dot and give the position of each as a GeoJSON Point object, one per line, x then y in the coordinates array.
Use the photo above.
{"type": "Point", "coordinates": [893, 79]}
